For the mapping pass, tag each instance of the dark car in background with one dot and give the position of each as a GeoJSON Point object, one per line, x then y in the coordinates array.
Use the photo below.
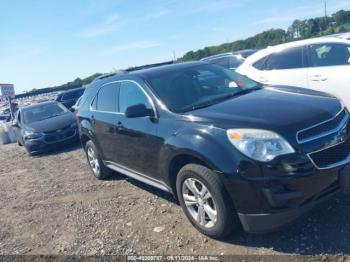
{"type": "Point", "coordinates": [230, 60]}
{"type": "Point", "coordinates": [5, 114]}
{"type": "Point", "coordinates": [69, 98]}
{"type": "Point", "coordinates": [232, 151]}
{"type": "Point", "coordinates": [45, 126]}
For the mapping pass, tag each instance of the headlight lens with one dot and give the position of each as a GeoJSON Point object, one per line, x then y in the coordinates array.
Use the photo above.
{"type": "Point", "coordinates": [31, 135]}
{"type": "Point", "coordinates": [261, 145]}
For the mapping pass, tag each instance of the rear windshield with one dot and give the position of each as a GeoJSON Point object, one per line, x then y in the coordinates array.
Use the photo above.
{"type": "Point", "coordinates": [198, 86]}
{"type": "Point", "coordinates": [42, 112]}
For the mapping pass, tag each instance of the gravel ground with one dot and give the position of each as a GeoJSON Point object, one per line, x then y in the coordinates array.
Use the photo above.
{"type": "Point", "coordinates": [51, 204]}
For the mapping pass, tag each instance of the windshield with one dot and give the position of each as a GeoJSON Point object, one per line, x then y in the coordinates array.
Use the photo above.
{"type": "Point", "coordinates": [41, 112]}
{"type": "Point", "coordinates": [199, 86]}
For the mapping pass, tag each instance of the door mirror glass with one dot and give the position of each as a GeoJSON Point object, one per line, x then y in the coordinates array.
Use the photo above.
{"type": "Point", "coordinates": [139, 110]}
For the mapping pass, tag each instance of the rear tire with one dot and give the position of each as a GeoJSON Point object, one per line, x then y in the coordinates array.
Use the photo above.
{"type": "Point", "coordinates": [209, 208]}
{"type": "Point", "coordinates": [95, 162]}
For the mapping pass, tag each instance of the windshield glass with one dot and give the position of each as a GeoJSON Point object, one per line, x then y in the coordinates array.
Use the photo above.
{"type": "Point", "coordinates": [199, 86]}
{"type": "Point", "coordinates": [41, 112]}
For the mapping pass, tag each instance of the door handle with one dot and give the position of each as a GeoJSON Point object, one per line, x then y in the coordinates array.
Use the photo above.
{"type": "Point", "coordinates": [318, 78]}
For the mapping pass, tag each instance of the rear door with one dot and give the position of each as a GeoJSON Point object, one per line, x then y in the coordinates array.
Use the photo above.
{"type": "Point", "coordinates": [136, 138]}
{"type": "Point", "coordinates": [104, 117]}
{"type": "Point", "coordinates": [329, 69]}
{"type": "Point", "coordinates": [286, 67]}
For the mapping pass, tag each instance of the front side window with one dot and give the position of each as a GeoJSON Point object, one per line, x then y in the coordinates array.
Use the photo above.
{"type": "Point", "coordinates": [287, 59]}
{"type": "Point", "coordinates": [193, 87]}
{"type": "Point", "coordinates": [130, 94]}
{"type": "Point", "coordinates": [329, 54]}
{"type": "Point", "coordinates": [106, 99]}
{"type": "Point", "coordinates": [42, 112]}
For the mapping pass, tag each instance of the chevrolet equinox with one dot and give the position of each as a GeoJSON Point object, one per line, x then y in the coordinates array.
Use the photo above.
{"type": "Point", "coordinates": [233, 152]}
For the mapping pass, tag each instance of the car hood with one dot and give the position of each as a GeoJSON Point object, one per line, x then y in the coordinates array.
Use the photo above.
{"type": "Point", "coordinates": [52, 124]}
{"type": "Point", "coordinates": [285, 110]}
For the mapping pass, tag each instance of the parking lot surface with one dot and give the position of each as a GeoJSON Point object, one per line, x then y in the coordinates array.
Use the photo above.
{"type": "Point", "coordinates": [51, 204]}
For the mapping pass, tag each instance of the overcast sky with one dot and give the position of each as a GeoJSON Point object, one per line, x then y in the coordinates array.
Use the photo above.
{"type": "Point", "coordinates": [50, 42]}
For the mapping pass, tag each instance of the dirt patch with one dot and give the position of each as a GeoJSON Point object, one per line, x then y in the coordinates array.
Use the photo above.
{"type": "Point", "coordinates": [52, 204]}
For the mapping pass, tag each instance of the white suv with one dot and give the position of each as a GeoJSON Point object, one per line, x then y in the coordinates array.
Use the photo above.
{"type": "Point", "coordinates": [322, 64]}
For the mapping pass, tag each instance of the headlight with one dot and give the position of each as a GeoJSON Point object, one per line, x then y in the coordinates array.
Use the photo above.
{"type": "Point", "coordinates": [261, 145]}
{"type": "Point", "coordinates": [31, 135]}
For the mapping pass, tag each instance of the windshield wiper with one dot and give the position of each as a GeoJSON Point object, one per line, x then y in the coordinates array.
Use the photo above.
{"type": "Point", "coordinates": [220, 99]}
{"type": "Point", "coordinates": [52, 116]}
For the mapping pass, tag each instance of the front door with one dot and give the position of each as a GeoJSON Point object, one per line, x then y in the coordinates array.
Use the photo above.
{"type": "Point", "coordinates": [286, 67]}
{"type": "Point", "coordinates": [330, 69]}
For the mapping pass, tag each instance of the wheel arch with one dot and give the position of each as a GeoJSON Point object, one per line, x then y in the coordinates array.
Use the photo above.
{"type": "Point", "coordinates": [181, 159]}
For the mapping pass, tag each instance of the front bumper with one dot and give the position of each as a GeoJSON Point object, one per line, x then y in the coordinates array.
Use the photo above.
{"type": "Point", "coordinates": [46, 143]}
{"type": "Point", "coordinates": [267, 204]}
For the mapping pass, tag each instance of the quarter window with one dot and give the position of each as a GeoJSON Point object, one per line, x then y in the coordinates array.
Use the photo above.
{"type": "Point", "coordinates": [131, 94]}
{"type": "Point", "coordinates": [329, 54]}
{"type": "Point", "coordinates": [107, 98]}
{"type": "Point", "coordinates": [287, 59]}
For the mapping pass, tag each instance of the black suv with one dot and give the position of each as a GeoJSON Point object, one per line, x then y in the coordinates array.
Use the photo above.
{"type": "Point", "coordinates": [233, 152]}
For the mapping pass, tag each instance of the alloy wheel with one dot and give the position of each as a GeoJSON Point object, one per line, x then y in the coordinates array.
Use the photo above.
{"type": "Point", "coordinates": [199, 202]}
{"type": "Point", "coordinates": [93, 161]}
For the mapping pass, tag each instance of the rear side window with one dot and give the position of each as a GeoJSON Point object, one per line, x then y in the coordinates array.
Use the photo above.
{"type": "Point", "coordinates": [287, 59]}
{"type": "Point", "coordinates": [329, 54]}
{"type": "Point", "coordinates": [130, 94]}
{"type": "Point", "coordinates": [106, 99]}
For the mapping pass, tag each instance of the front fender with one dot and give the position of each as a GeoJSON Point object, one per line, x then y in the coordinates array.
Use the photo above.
{"type": "Point", "coordinates": [210, 145]}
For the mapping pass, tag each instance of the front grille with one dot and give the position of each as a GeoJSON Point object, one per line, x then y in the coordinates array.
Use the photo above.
{"type": "Point", "coordinates": [323, 129]}
{"type": "Point", "coordinates": [332, 156]}
{"type": "Point", "coordinates": [59, 136]}
{"type": "Point", "coordinates": [55, 131]}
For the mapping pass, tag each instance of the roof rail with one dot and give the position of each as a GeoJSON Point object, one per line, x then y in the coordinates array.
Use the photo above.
{"type": "Point", "coordinates": [149, 66]}
{"type": "Point", "coordinates": [131, 69]}
{"type": "Point", "coordinates": [119, 72]}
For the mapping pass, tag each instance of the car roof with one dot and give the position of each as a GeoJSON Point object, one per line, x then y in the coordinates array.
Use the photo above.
{"type": "Point", "coordinates": [345, 35]}
{"type": "Point", "coordinates": [272, 49]}
{"type": "Point", "coordinates": [150, 71]}
{"type": "Point", "coordinates": [38, 104]}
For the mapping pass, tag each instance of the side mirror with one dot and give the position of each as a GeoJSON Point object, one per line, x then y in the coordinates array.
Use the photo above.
{"type": "Point", "coordinates": [139, 110]}
{"type": "Point", "coordinates": [15, 123]}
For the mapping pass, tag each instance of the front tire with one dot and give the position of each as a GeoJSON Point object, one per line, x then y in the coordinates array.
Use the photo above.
{"type": "Point", "coordinates": [205, 201]}
{"type": "Point", "coordinates": [95, 162]}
